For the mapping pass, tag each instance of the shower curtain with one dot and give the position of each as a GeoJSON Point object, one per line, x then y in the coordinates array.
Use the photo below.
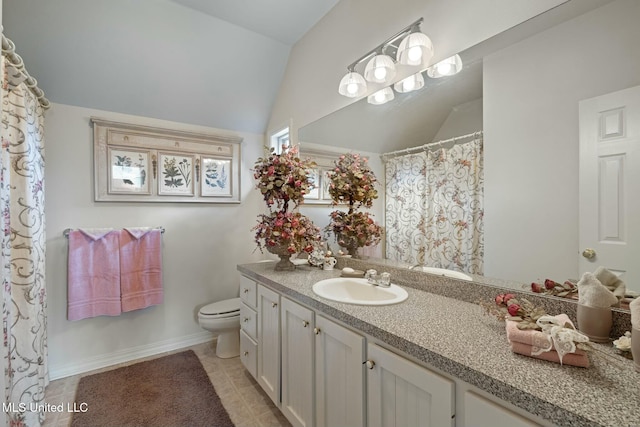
{"type": "Point", "coordinates": [434, 208]}
{"type": "Point", "coordinates": [24, 321]}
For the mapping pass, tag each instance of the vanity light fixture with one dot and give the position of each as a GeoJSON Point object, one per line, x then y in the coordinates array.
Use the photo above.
{"type": "Point", "coordinates": [409, 84]}
{"type": "Point", "coordinates": [381, 97]}
{"type": "Point", "coordinates": [409, 46]}
{"type": "Point", "coordinates": [446, 67]}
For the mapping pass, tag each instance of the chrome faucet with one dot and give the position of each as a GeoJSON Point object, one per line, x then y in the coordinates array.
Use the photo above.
{"type": "Point", "coordinates": [383, 281]}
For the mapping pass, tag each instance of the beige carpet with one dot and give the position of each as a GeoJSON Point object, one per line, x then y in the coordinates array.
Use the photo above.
{"type": "Point", "coordinates": [169, 391]}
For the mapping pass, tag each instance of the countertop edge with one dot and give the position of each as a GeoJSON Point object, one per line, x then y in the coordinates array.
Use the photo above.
{"type": "Point", "coordinates": [519, 398]}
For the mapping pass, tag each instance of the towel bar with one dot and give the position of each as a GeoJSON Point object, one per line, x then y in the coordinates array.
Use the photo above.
{"type": "Point", "coordinates": [65, 233]}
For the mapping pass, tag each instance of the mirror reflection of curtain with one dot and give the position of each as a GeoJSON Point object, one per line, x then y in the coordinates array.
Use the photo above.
{"type": "Point", "coordinates": [434, 208]}
{"type": "Point", "coordinates": [24, 348]}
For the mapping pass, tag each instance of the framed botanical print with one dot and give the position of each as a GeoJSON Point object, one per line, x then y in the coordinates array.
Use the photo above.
{"type": "Point", "coordinates": [139, 163]}
{"type": "Point", "coordinates": [175, 174]}
{"type": "Point", "coordinates": [216, 177]}
{"type": "Point", "coordinates": [128, 171]}
{"type": "Point", "coordinates": [326, 183]}
{"type": "Point", "coordinates": [314, 178]}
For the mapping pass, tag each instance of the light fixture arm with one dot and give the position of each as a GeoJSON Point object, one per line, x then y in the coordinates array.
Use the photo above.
{"type": "Point", "coordinates": [406, 30]}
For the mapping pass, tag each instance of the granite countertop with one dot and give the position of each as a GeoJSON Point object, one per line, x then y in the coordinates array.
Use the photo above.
{"type": "Point", "coordinates": [457, 338]}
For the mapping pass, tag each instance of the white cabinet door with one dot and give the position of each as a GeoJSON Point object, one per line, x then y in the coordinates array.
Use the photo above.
{"type": "Point", "coordinates": [296, 323]}
{"type": "Point", "coordinates": [339, 376]}
{"type": "Point", "coordinates": [403, 394]}
{"type": "Point", "coordinates": [480, 412]}
{"type": "Point", "coordinates": [269, 343]}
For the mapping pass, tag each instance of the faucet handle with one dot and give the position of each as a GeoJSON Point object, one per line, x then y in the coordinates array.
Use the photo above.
{"type": "Point", "coordinates": [371, 275]}
{"type": "Point", "coordinates": [385, 279]}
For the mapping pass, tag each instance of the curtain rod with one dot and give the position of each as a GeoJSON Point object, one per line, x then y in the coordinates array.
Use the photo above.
{"type": "Point", "coordinates": [16, 62]}
{"type": "Point", "coordinates": [387, 156]}
{"type": "Point", "coordinates": [66, 232]}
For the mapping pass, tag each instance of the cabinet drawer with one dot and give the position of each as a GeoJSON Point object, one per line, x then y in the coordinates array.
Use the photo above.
{"type": "Point", "coordinates": [249, 321]}
{"type": "Point", "coordinates": [249, 354]}
{"type": "Point", "coordinates": [248, 292]}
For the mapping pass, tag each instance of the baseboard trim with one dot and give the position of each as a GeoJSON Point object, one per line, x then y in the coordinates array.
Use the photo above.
{"type": "Point", "coordinates": [121, 356]}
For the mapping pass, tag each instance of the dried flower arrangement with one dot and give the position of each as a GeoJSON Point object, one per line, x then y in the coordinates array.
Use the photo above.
{"type": "Point", "coordinates": [283, 179]}
{"type": "Point", "coordinates": [507, 307]}
{"type": "Point", "coordinates": [554, 288]}
{"type": "Point", "coordinates": [353, 182]}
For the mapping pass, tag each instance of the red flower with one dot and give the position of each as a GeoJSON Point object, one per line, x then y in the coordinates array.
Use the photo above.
{"type": "Point", "coordinates": [499, 299]}
{"type": "Point", "coordinates": [536, 287]}
{"type": "Point", "coordinates": [513, 309]}
{"type": "Point", "coordinates": [549, 284]}
{"type": "Point", "coordinates": [507, 297]}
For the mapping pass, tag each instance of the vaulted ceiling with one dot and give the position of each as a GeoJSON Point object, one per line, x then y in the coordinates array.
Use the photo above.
{"type": "Point", "coordinates": [216, 63]}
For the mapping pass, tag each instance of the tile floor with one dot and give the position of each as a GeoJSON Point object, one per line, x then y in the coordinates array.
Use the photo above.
{"type": "Point", "coordinates": [242, 397]}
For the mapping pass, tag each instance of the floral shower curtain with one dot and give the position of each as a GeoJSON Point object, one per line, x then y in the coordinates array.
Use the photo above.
{"type": "Point", "coordinates": [434, 208]}
{"type": "Point", "coordinates": [24, 321]}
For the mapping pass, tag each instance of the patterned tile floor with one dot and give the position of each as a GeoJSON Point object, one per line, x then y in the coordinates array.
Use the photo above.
{"type": "Point", "coordinates": [242, 397]}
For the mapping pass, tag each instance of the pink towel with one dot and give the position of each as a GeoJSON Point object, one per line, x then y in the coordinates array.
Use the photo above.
{"type": "Point", "coordinates": [93, 281]}
{"type": "Point", "coordinates": [531, 337]}
{"type": "Point", "coordinates": [140, 268]}
{"type": "Point", "coordinates": [579, 358]}
{"type": "Point", "coordinates": [522, 342]}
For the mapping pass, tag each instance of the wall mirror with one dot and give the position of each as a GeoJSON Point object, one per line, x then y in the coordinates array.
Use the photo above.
{"type": "Point", "coordinates": [531, 233]}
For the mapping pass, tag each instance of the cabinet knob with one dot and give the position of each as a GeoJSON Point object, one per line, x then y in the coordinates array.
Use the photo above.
{"type": "Point", "coordinates": [246, 319]}
{"type": "Point", "coordinates": [589, 253]}
{"type": "Point", "coordinates": [370, 364]}
{"type": "Point", "coordinates": [274, 304]}
{"type": "Point", "coordinates": [246, 353]}
{"type": "Point", "coordinates": [316, 331]}
{"type": "Point", "coordinates": [245, 290]}
{"type": "Point", "coordinates": [305, 323]}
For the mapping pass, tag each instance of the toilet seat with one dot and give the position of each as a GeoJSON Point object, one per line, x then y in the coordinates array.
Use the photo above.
{"type": "Point", "coordinates": [221, 309]}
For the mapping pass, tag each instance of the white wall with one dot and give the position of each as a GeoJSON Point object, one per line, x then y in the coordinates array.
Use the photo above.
{"type": "Point", "coordinates": [201, 246]}
{"type": "Point", "coordinates": [318, 61]}
{"type": "Point", "coordinates": [531, 94]}
{"type": "Point", "coordinates": [463, 119]}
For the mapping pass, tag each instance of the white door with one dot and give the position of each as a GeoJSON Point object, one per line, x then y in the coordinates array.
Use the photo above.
{"type": "Point", "coordinates": [403, 394]}
{"type": "Point", "coordinates": [269, 343]}
{"type": "Point", "coordinates": [609, 208]}
{"type": "Point", "coordinates": [340, 391]}
{"type": "Point", "coordinates": [297, 363]}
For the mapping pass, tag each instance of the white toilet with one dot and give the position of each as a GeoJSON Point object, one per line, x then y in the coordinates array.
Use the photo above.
{"type": "Point", "coordinates": [223, 318]}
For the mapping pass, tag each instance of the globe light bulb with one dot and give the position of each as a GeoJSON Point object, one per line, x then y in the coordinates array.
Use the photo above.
{"type": "Point", "coordinates": [408, 84]}
{"type": "Point", "coordinates": [415, 53]}
{"type": "Point", "coordinates": [352, 88]}
{"type": "Point", "coordinates": [444, 68]}
{"type": "Point", "coordinates": [380, 73]}
{"type": "Point", "coordinates": [379, 96]}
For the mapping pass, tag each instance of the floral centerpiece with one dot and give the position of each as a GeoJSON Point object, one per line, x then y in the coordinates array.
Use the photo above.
{"type": "Point", "coordinates": [352, 182]}
{"type": "Point", "coordinates": [283, 179]}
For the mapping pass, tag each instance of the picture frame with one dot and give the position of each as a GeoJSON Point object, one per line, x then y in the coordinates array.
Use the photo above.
{"type": "Point", "coordinates": [175, 174]}
{"type": "Point", "coordinates": [326, 182]}
{"type": "Point", "coordinates": [315, 178]}
{"type": "Point", "coordinates": [216, 177]}
{"type": "Point", "coordinates": [137, 163]}
{"type": "Point", "coordinates": [128, 171]}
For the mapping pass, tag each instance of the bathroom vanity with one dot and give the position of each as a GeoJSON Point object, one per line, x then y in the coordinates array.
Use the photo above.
{"type": "Point", "coordinates": [431, 360]}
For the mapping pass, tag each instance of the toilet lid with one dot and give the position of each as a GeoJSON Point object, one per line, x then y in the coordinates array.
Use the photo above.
{"type": "Point", "coordinates": [222, 307]}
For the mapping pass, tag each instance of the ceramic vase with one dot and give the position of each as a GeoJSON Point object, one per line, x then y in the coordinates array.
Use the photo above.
{"type": "Point", "coordinates": [285, 263]}
{"type": "Point", "coordinates": [595, 322]}
{"type": "Point", "coordinates": [350, 244]}
{"type": "Point", "coordinates": [635, 347]}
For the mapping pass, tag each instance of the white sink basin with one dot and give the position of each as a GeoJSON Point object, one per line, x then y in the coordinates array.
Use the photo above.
{"type": "Point", "coordinates": [444, 272]}
{"type": "Point", "coordinates": [358, 291]}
